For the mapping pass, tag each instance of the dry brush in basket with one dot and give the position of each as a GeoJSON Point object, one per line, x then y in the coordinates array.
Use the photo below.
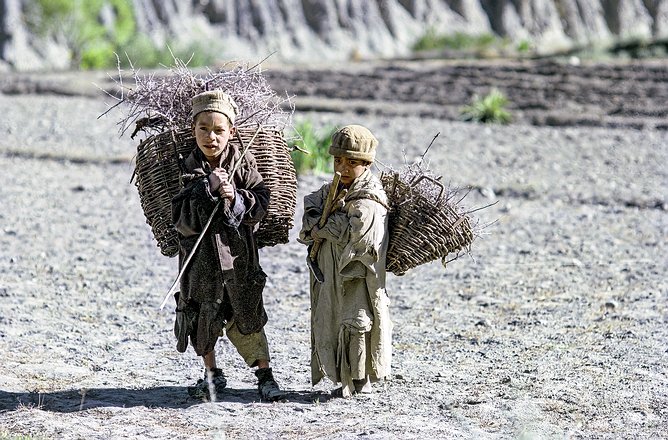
{"type": "Point", "coordinates": [159, 105]}
{"type": "Point", "coordinates": [425, 221]}
{"type": "Point", "coordinates": [158, 170]}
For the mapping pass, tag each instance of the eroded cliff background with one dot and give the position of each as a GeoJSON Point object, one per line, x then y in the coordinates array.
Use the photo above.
{"type": "Point", "coordinates": [333, 30]}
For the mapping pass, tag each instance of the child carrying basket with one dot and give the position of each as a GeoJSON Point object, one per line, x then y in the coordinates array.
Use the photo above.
{"type": "Point", "coordinates": [357, 228]}
{"type": "Point", "coordinates": [216, 182]}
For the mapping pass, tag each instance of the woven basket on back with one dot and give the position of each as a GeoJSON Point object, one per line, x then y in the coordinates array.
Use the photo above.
{"type": "Point", "coordinates": [424, 224]}
{"type": "Point", "coordinates": [158, 170]}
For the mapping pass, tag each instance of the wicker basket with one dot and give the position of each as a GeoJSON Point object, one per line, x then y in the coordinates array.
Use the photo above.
{"type": "Point", "coordinates": [158, 169]}
{"type": "Point", "coordinates": [422, 228]}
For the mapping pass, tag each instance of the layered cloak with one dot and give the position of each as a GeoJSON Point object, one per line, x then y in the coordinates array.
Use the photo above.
{"type": "Point", "coordinates": [224, 279]}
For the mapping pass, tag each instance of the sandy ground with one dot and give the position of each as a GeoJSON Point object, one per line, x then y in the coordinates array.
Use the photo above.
{"type": "Point", "coordinates": [555, 328]}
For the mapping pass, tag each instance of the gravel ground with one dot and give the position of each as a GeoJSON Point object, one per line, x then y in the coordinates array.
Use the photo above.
{"type": "Point", "coordinates": [555, 328]}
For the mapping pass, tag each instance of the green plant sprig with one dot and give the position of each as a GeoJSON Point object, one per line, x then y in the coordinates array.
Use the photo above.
{"type": "Point", "coordinates": [488, 109]}
{"type": "Point", "coordinates": [311, 148]}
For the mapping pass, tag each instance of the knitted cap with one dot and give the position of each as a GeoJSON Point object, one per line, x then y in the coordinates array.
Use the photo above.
{"type": "Point", "coordinates": [215, 101]}
{"type": "Point", "coordinates": [354, 142]}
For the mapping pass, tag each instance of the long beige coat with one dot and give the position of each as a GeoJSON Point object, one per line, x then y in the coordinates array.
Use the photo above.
{"type": "Point", "coordinates": [350, 320]}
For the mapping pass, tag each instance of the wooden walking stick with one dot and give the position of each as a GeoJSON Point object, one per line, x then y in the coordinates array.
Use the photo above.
{"type": "Point", "coordinates": [208, 222]}
{"type": "Point", "coordinates": [332, 198]}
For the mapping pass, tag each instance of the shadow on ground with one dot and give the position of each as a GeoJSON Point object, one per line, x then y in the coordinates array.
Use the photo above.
{"type": "Point", "coordinates": [159, 397]}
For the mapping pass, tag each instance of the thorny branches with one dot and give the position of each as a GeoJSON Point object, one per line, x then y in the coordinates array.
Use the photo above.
{"type": "Point", "coordinates": [160, 102]}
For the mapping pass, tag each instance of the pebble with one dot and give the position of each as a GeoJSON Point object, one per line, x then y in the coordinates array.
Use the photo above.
{"type": "Point", "coordinates": [610, 305]}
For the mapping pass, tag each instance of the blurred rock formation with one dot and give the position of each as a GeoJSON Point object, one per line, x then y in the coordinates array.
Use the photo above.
{"type": "Point", "coordinates": [337, 30]}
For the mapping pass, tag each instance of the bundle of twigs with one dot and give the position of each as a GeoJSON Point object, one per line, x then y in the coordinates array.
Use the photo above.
{"type": "Point", "coordinates": [158, 102]}
{"type": "Point", "coordinates": [160, 106]}
{"type": "Point", "coordinates": [426, 220]}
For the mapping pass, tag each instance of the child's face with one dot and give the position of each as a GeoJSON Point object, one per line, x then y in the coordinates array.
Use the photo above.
{"type": "Point", "coordinates": [212, 132]}
{"type": "Point", "coordinates": [350, 169]}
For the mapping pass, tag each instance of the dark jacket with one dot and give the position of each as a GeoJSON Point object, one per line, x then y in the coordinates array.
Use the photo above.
{"type": "Point", "coordinates": [224, 279]}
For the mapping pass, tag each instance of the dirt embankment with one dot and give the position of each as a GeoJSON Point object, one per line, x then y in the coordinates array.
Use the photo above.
{"type": "Point", "coordinates": [625, 94]}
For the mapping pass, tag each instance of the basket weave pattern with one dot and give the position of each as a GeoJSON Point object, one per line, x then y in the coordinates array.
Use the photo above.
{"type": "Point", "coordinates": [157, 177]}
{"type": "Point", "coordinates": [422, 227]}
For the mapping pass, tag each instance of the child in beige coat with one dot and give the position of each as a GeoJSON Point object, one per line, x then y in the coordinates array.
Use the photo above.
{"type": "Point", "coordinates": [350, 320]}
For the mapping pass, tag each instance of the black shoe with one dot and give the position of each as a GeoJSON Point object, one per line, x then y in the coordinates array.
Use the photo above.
{"type": "Point", "coordinates": [267, 386]}
{"type": "Point", "coordinates": [214, 380]}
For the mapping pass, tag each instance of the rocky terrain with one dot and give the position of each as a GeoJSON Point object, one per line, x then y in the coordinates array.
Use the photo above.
{"type": "Point", "coordinates": [554, 327]}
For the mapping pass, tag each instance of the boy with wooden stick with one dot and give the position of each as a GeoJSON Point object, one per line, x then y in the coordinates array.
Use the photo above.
{"type": "Point", "coordinates": [222, 282]}
{"type": "Point", "coordinates": [345, 225]}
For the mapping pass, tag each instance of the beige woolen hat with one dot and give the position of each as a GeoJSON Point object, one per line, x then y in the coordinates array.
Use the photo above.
{"type": "Point", "coordinates": [215, 101]}
{"type": "Point", "coordinates": [354, 142]}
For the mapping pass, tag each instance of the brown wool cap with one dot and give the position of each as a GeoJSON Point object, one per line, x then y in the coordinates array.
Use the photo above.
{"type": "Point", "coordinates": [354, 142]}
{"type": "Point", "coordinates": [215, 101]}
